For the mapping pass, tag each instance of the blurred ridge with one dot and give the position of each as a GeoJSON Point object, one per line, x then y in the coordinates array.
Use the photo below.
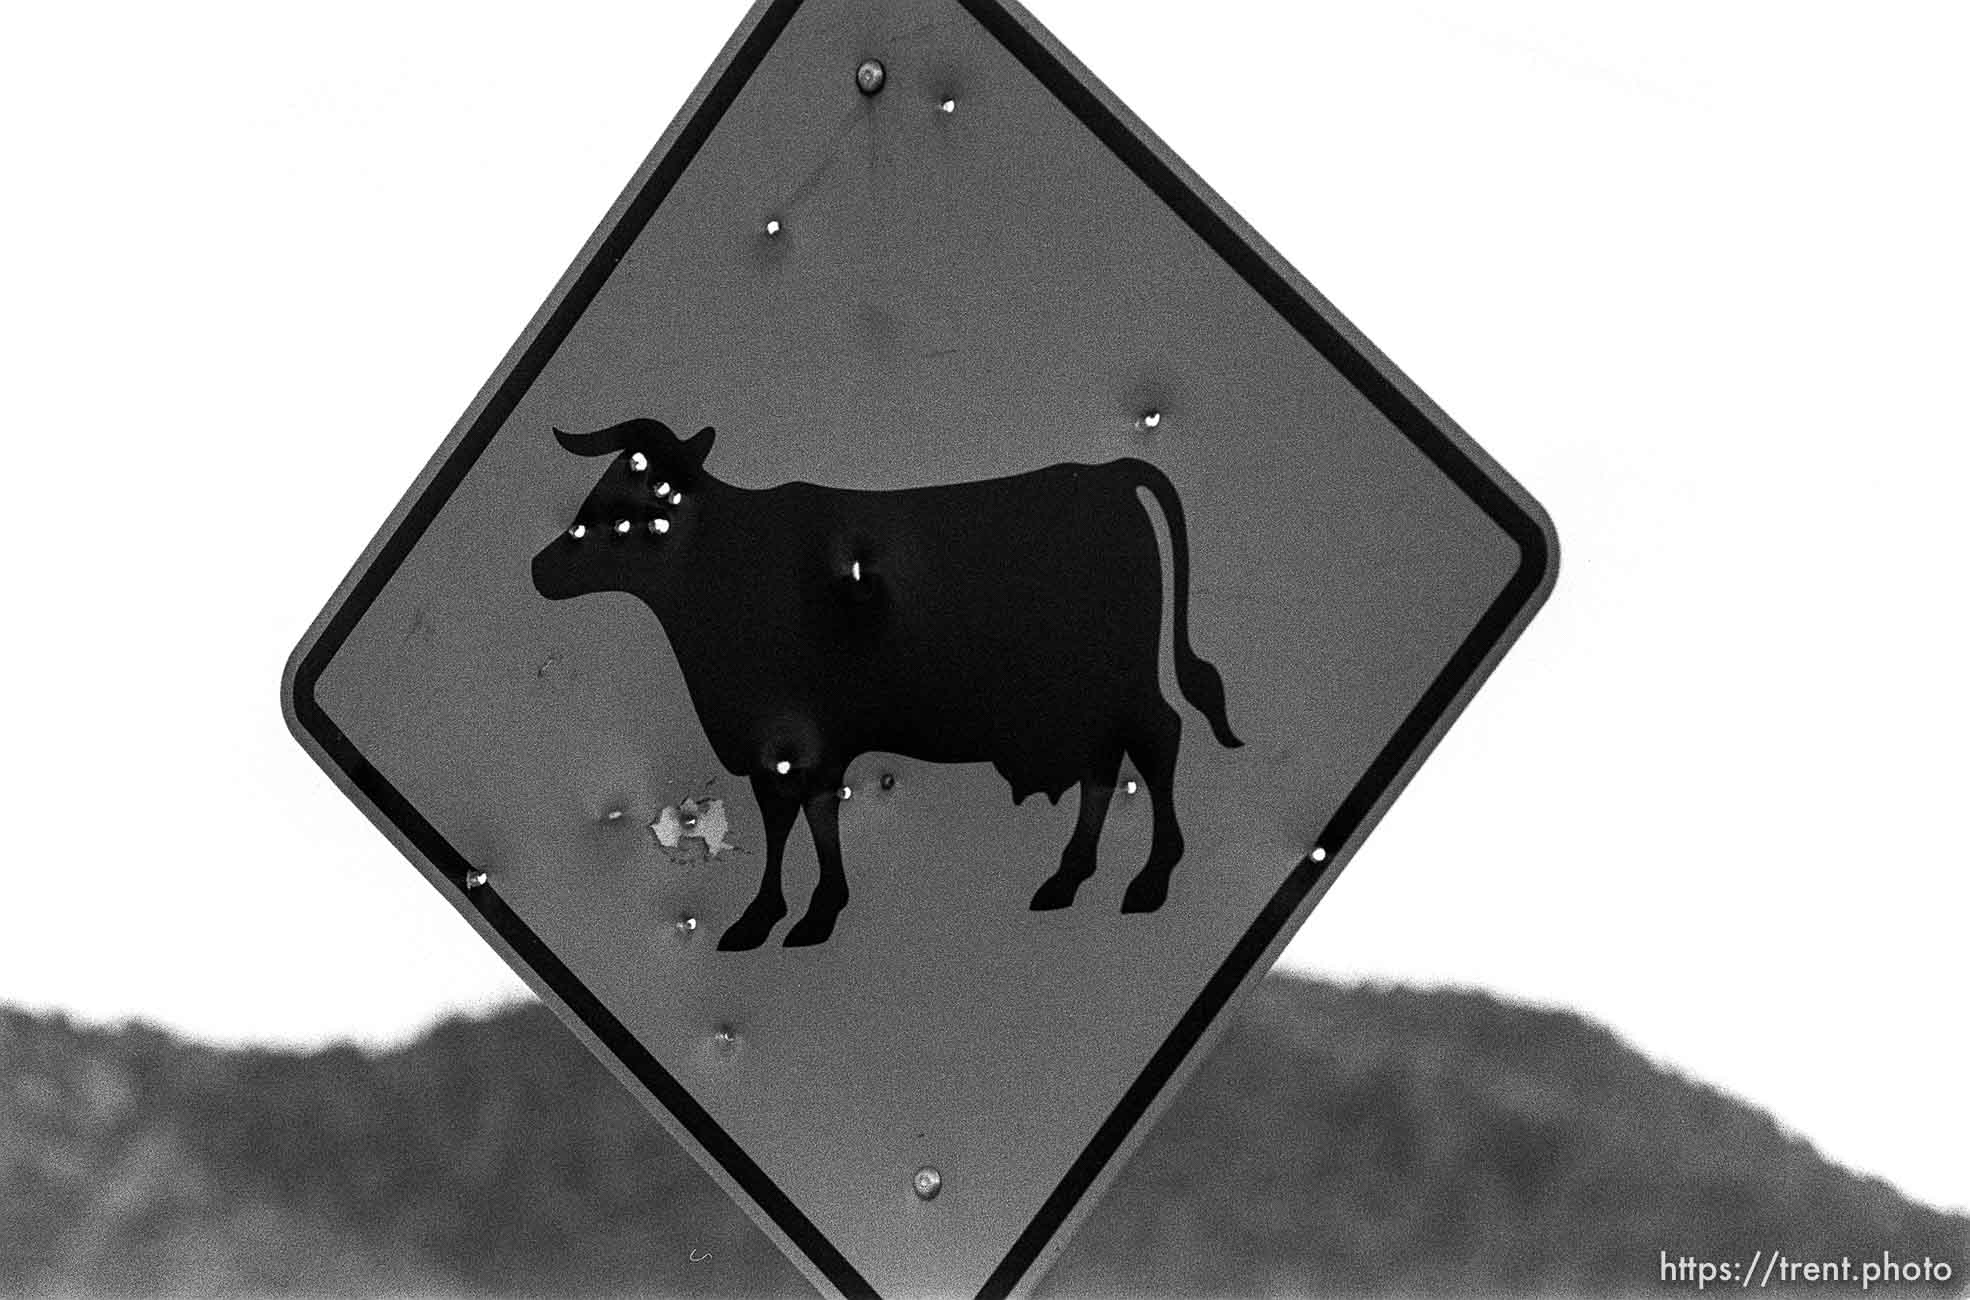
{"type": "Point", "coordinates": [1342, 1140]}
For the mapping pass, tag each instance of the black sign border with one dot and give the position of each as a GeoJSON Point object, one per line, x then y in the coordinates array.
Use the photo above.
{"type": "Point", "coordinates": [1502, 500]}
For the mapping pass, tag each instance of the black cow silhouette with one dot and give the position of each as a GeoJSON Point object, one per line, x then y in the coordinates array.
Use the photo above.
{"type": "Point", "coordinates": [1013, 621]}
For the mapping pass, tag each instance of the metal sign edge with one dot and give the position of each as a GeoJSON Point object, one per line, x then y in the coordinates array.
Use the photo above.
{"type": "Point", "coordinates": [810, 1252]}
{"type": "Point", "coordinates": [1219, 225]}
{"type": "Point", "coordinates": [1407, 406]}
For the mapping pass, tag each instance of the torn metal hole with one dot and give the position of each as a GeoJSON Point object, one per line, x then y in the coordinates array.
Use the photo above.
{"type": "Point", "coordinates": [693, 830]}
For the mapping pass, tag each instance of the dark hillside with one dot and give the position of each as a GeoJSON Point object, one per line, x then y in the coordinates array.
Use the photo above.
{"type": "Point", "coordinates": [1342, 1140]}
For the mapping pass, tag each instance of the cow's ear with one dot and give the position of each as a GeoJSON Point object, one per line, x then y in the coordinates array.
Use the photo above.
{"type": "Point", "coordinates": [699, 446]}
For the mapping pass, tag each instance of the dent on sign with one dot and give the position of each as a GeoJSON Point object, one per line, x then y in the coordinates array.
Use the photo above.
{"type": "Point", "coordinates": [1001, 593]}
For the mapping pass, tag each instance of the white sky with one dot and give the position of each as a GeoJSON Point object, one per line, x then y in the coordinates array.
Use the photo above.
{"type": "Point", "coordinates": [1696, 273]}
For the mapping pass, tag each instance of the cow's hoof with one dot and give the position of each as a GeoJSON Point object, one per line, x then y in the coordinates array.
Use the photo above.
{"type": "Point", "coordinates": [742, 938]}
{"type": "Point", "coordinates": [813, 928]}
{"type": "Point", "coordinates": [1146, 893]}
{"type": "Point", "coordinates": [748, 932]}
{"type": "Point", "coordinates": [1055, 894]}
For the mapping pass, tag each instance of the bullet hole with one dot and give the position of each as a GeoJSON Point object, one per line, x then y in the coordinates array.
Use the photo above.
{"type": "Point", "coordinates": [692, 832]}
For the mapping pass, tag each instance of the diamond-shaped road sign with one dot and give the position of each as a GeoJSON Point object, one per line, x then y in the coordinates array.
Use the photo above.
{"type": "Point", "coordinates": [915, 436]}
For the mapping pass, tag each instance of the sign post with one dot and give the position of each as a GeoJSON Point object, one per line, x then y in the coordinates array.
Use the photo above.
{"type": "Point", "coordinates": [909, 632]}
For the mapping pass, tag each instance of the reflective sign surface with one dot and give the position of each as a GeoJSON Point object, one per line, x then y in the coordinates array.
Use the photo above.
{"type": "Point", "coordinates": [909, 632]}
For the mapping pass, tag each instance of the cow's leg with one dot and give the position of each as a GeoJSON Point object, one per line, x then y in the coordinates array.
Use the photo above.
{"type": "Point", "coordinates": [1154, 748]}
{"type": "Point", "coordinates": [831, 892]}
{"type": "Point", "coordinates": [778, 809]}
{"type": "Point", "coordinates": [1077, 860]}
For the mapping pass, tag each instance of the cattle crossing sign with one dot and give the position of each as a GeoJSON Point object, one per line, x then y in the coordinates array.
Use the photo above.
{"type": "Point", "coordinates": [909, 632]}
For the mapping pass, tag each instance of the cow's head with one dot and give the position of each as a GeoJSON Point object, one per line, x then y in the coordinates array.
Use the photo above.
{"type": "Point", "coordinates": [637, 513]}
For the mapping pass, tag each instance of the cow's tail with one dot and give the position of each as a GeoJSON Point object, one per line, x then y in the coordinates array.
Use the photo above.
{"type": "Point", "coordinates": [1196, 678]}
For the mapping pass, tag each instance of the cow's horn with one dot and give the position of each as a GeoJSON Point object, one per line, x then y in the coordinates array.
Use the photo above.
{"type": "Point", "coordinates": [615, 438]}
{"type": "Point", "coordinates": [700, 444]}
